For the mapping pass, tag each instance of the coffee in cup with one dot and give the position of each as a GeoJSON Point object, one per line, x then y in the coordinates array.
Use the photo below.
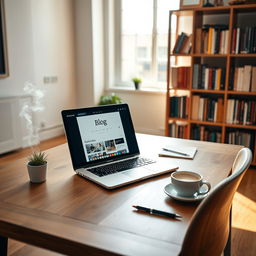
{"type": "Point", "coordinates": [189, 184]}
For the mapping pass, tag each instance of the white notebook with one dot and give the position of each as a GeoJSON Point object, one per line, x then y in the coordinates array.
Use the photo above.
{"type": "Point", "coordinates": [184, 152]}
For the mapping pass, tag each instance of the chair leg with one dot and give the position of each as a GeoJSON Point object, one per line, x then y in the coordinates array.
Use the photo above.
{"type": "Point", "coordinates": [3, 245]}
{"type": "Point", "coordinates": [227, 250]}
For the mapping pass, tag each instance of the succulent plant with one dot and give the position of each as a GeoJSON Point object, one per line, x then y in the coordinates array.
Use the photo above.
{"type": "Point", "coordinates": [37, 159]}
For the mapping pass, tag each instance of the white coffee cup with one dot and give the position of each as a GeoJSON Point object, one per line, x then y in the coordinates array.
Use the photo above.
{"type": "Point", "coordinates": [189, 183]}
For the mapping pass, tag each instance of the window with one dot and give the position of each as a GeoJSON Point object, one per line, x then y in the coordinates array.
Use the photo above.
{"type": "Point", "coordinates": [143, 39]}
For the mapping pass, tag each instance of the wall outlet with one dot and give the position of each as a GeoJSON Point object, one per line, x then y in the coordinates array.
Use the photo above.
{"type": "Point", "coordinates": [54, 79]}
{"type": "Point", "coordinates": [50, 79]}
{"type": "Point", "coordinates": [42, 124]}
{"type": "Point", "coordinates": [46, 79]}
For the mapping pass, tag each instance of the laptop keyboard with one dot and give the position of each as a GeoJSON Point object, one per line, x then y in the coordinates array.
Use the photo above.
{"type": "Point", "coordinates": [120, 166]}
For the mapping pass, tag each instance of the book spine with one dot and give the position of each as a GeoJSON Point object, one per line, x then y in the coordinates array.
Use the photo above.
{"type": "Point", "coordinates": [182, 38]}
{"type": "Point", "coordinates": [198, 48]}
{"type": "Point", "coordinates": [237, 40]}
{"type": "Point", "coordinates": [234, 41]}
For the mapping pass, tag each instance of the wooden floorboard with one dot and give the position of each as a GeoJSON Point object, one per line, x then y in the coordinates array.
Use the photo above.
{"type": "Point", "coordinates": [243, 222]}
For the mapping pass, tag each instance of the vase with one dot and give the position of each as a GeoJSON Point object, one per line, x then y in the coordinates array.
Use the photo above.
{"type": "Point", "coordinates": [37, 174]}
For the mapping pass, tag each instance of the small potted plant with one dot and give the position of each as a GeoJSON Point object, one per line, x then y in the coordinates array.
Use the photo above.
{"type": "Point", "coordinates": [137, 82]}
{"type": "Point", "coordinates": [110, 99]}
{"type": "Point", "coordinates": [37, 165]}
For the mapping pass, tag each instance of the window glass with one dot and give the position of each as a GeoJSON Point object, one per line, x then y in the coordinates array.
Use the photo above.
{"type": "Point", "coordinates": [144, 40]}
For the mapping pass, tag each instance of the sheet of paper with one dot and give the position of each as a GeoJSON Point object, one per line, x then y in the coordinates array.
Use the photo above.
{"type": "Point", "coordinates": [169, 151]}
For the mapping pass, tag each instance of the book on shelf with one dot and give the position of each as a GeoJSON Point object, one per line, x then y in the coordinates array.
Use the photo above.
{"type": "Point", "coordinates": [207, 108]}
{"type": "Point", "coordinates": [243, 79]}
{"type": "Point", "coordinates": [178, 129]}
{"type": "Point", "coordinates": [241, 112]}
{"type": "Point", "coordinates": [179, 106]}
{"type": "Point", "coordinates": [201, 132]}
{"type": "Point", "coordinates": [182, 44]}
{"type": "Point", "coordinates": [212, 39]}
{"type": "Point", "coordinates": [244, 40]}
{"type": "Point", "coordinates": [208, 78]}
{"type": "Point", "coordinates": [253, 80]}
{"type": "Point", "coordinates": [246, 139]}
{"type": "Point", "coordinates": [180, 77]}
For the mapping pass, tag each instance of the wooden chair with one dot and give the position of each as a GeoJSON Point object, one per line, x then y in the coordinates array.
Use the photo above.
{"type": "Point", "coordinates": [208, 231]}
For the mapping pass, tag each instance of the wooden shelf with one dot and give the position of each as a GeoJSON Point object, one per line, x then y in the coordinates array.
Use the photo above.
{"type": "Point", "coordinates": [243, 55]}
{"type": "Point", "coordinates": [225, 9]}
{"type": "Point", "coordinates": [231, 16]}
{"type": "Point", "coordinates": [180, 55]}
{"type": "Point", "coordinates": [241, 93]}
{"type": "Point", "coordinates": [244, 8]}
{"type": "Point", "coordinates": [179, 89]}
{"type": "Point", "coordinates": [206, 123]}
{"type": "Point", "coordinates": [208, 91]}
{"type": "Point", "coordinates": [177, 119]}
{"type": "Point", "coordinates": [213, 10]}
{"type": "Point", "coordinates": [182, 12]}
{"type": "Point", "coordinates": [206, 55]}
{"type": "Point", "coordinates": [241, 126]}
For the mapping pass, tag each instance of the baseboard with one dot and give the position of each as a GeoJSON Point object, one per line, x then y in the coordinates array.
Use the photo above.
{"type": "Point", "coordinates": [45, 134]}
{"type": "Point", "coordinates": [51, 132]}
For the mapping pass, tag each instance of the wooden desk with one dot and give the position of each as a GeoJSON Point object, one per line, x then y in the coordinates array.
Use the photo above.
{"type": "Point", "coordinates": [71, 215]}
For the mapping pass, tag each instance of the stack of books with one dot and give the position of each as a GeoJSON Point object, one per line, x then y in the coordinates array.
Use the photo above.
{"type": "Point", "coordinates": [244, 40]}
{"type": "Point", "coordinates": [182, 44]}
{"type": "Point", "coordinates": [241, 112]}
{"type": "Point", "coordinates": [243, 79]}
{"type": "Point", "coordinates": [241, 138]}
{"type": "Point", "coordinates": [207, 108]}
{"type": "Point", "coordinates": [209, 78]}
{"type": "Point", "coordinates": [178, 129]}
{"type": "Point", "coordinates": [205, 134]}
{"type": "Point", "coordinates": [180, 77]}
{"type": "Point", "coordinates": [179, 106]}
{"type": "Point", "coordinates": [212, 39]}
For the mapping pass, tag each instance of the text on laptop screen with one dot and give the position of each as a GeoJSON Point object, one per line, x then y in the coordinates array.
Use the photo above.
{"type": "Point", "coordinates": [102, 136]}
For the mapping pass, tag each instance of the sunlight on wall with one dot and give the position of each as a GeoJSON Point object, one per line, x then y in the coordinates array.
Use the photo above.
{"type": "Point", "coordinates": [244, 213]}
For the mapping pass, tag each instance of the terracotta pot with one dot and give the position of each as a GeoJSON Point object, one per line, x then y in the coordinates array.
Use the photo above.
{"type": "Point", "coordinates": [37, 174]}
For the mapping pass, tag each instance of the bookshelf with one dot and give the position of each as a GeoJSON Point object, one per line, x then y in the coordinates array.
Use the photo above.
{"type": "Point", "coordinates": [215, 77]}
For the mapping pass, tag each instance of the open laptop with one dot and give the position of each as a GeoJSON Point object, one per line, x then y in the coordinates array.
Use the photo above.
{"type": "Point", "coordinates": [103, 146]}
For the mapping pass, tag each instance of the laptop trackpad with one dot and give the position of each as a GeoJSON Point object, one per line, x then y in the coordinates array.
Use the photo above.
{"type": "Point", "coordinates": [137, 172]}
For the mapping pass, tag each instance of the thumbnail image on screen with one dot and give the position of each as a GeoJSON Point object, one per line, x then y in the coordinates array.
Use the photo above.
{"type": "Point", "coordinates": [102, 135]}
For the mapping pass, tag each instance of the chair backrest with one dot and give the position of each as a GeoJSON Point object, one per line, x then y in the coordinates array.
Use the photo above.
{"type": "Point", "coordinates": [208, 231]}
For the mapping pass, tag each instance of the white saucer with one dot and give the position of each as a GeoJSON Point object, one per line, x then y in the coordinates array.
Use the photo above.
{"type": "Point", "coordinates": [170, 191]}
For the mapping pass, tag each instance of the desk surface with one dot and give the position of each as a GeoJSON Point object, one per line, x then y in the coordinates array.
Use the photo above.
{"type": "Point", "coordinates": [71, 215]}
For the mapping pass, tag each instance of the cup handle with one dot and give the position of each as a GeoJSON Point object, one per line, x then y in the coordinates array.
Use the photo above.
{"type": "Point", "coordinates": [207, 184]}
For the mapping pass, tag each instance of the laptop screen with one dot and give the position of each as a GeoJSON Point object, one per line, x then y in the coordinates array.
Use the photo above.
{"type": "Point", "coordinates": [100, 134]}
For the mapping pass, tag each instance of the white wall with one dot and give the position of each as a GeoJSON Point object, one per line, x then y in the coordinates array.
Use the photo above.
{"type": "Point", "coordinates": [54, 56]}
{"type": "Point", "coordinates": [20, 47]}
{"type": "Point", "coordinates": [147, 110]}
{"type": "Point", "coordinates": [40, 41]}
{"type": "Point", "coordinates": [89, 51]}
{"type": "Point", "coordinates": [84, 54]}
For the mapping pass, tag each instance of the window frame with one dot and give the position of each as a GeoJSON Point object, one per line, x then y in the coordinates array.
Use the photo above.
{"type": "Point", "coordinates": [113, 56]}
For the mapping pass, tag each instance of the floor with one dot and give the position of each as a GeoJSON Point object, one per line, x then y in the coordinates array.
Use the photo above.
{"type": "Point", "coordinates": [243, 222]}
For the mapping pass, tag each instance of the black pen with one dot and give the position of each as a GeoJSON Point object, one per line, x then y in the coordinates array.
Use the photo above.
{"type": "Point", "coordinates": [157, 212]}
{"type": "Point", "coordinates": [176, 152]}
